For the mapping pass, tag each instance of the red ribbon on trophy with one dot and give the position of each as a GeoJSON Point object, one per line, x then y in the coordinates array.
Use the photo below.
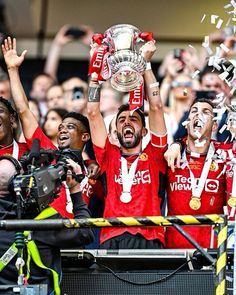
{"type": "Point", "coordinates": [99, 60]}
{"type": "Point", "coordinates": [136, 98]}
{"type": "Point", "coordinates": [146, 36]}
{"type": "Point", "coordinates": [98, 38]}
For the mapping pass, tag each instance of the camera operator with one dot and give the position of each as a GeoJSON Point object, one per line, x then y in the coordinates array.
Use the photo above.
{"type": "Point", "coordinates": [47, 243]}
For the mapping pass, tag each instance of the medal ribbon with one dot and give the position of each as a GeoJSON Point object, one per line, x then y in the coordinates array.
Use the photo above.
{"type": "Point", "coordinates": [198, 188]}
{"type": "Point", "coordinates": [15, 152]}
{"type": "Point", "coordinates": [128, 176]}
{"type": "Point", "coordinates": [233, 193]}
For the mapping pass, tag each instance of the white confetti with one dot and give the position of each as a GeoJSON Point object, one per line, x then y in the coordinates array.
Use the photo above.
{"type": "Point", "coordinates": [227, 6]}
{"type": "Point", "coordinates": [219, 23]}
{"type": "Point", "coordinates": [223, 75]}
{"type": "Point", "coordinates": [204, 16]}
{"type": "Point", "coordinates": [213, 18]}
{"type": "Point", "coordinates": [223, 128]}
{"type": "Point", "coordinates": [225, 48]}
{"type": "Point", "coordinates": [195, 74]}
{"type": "Point", "coordinates": [217, 110]}
{"type": "Point", "coordinates": [185, 123]}
{"type": "Point", "coordinates": [231, 155]}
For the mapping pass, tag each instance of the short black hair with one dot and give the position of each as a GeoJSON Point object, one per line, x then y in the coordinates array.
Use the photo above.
{"type": "Point", "coordinates": [196, 100]}
{"type": "Point", "coordinates": [9, 106]}
{"type": "Point", "coordinates": [125, 107]}
{"type": "Point", "coordinates": [79, 117]}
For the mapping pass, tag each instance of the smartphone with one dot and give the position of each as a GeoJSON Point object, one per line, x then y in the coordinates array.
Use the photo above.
{"type": "Point", "coordinates": [75, 33]}
{"type": "Point", "coordinates": [208, 94]}
{"type": "Point", "coordinates": [78, 92]}
{"type": "Point", "coordinates": [178, 53]}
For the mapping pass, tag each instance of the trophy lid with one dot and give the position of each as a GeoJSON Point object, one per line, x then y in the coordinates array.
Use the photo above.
{"type": "Point", "coordinates": [121, 28]}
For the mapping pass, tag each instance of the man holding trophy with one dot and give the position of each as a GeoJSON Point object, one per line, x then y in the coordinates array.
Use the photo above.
{"type": "Point", "coordinates": [133, 175]}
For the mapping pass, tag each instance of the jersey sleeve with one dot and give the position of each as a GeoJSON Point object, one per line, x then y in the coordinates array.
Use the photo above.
{"type": "Point", "coordinates": [45, 142]}
{"type": "Point", "coordinates": [101, 155]}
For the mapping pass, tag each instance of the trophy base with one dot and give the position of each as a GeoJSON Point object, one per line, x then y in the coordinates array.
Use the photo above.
{"type": "Point", "coordinates": [126, 80]}
{"type": "Point", "coordinates": [127, 69]}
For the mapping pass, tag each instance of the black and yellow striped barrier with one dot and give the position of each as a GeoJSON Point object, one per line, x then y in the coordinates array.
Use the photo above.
{"type": "Point", "coordinates": [209, 219]}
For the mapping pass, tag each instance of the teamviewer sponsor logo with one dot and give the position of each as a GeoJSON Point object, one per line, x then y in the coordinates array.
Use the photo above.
{"type": "Point", "coordinates": [212, 185]}
{"type": "Point", "coordinates": [184, 183]}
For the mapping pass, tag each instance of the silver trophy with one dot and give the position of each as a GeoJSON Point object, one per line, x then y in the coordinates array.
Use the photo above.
{"type": "Point", "coordinates": [126, 63]}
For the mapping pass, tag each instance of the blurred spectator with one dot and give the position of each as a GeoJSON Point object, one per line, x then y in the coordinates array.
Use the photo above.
{"type": "Point", "coordinates": [52, 120]}
{"type": "Point", "coordinates": [181, 60]}
{"type": "Point", "coordinates": [40, 85]}
{"type": "Point", "coordinates": [180, 98]}
{"type": "Point", "coordinates": [174, 64]}
{"type": "Point", "coordinates": [55, 97]}
{"type": "Point", "coordinates": [112, 132]}
{"type": "Point", "coordinates": [61, 39]}
{"type": "Point", "coordinates": [74, 101]}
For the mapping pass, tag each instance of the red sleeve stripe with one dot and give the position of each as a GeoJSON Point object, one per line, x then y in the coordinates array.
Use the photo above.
{"type": "Point", "coordinates": [159, 141]}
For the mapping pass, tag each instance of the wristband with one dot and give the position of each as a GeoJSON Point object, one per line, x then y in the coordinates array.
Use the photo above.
{"type": "Point", "coordinates": [155, 84]}
{"type": "Point", "coordinates": [94, 94]}
{"type": "Point", "coordinates": [148, 66]}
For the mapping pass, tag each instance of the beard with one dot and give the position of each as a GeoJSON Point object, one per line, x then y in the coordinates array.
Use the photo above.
{"type": "Point", "coordinates": [131, 144]}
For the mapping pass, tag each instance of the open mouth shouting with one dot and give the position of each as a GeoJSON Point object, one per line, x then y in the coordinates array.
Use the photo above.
{"type": "Point", "coordinates": [198, 125]}
{"type": "Point", "coordinates": [63, 139]}
{"type": "Point", "coordinates": [128, 133]}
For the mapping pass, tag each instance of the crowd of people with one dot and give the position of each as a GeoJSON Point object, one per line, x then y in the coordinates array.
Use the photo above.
{"type": "Point", "coordinates": [175, 156]}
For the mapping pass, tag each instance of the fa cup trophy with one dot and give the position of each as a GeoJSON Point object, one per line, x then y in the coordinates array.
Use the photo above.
{"type": "Point", "coordinates": [126, 63]}
{"type": "Point", "coordinates": [120, 57]}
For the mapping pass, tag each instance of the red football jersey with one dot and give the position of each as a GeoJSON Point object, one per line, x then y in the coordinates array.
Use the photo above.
{"type": "Point", "coordinates": [145, 200]}
{"type": "Point", "coordinates": [213, 198]}
{"type": "Point", "coordinates": [8, 150]}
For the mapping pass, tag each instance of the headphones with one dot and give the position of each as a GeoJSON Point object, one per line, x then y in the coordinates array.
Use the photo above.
{"type": "Point", "coordinates": [18, 168]}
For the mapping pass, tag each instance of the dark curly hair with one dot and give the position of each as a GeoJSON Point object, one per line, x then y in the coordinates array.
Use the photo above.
{"type": "Point", "coordinates": [125, 107]}
{"type": "Point", "coordinates": [79, 117]}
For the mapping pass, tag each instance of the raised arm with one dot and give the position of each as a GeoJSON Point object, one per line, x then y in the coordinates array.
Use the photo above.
{"type": "Point", "coordinates": [96, 122]}
{"type": "Point", "coordinates": [13, 62]}
{"type": "Point", "coordinates": [156, 114]}
{"type": "Point", "coordinates": [58, 43]}
{"type": "Point", "coordinates": [53, 57]}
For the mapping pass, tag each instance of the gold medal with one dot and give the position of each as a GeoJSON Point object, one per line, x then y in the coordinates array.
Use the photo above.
{"type": "Point", "coordinates": [232, 202]}
{"type": "Point", "coordinates": [195, 203]}
{"type": "Point", "coordinates": [125, 197]}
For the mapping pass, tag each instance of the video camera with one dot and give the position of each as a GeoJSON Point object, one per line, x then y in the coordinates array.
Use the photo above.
{"type": "Point", "coordinates": [42, 177]}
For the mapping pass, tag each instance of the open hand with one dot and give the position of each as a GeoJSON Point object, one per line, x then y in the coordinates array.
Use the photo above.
{"type": "Point", "coordinates": [11, 58]}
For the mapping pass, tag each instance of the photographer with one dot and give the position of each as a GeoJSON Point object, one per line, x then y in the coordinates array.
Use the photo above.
{"type": "Point", "coordinates": [47, 243]}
